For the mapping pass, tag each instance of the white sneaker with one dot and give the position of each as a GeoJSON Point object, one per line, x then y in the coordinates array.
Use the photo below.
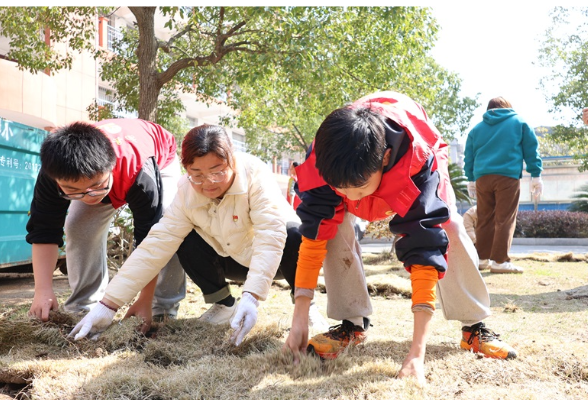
{"type": "Point", "coordinates": [505, 268]}
{"type": "Point", "coordinates": [218, 314]}
{"type": "Point", "coordinates": [316, 319]}
{"type": "Point", "coordinates": [484, 264]}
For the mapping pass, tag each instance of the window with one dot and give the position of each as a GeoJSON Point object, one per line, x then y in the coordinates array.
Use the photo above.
{"type": "Point", "coordinates": [105, 97]}
{"type": "Point", "coordinates": [113, 35]}
{"type": "Point", "coordinates": [192, 122]}
{"type": "Point", "coordinates": [239, 142]}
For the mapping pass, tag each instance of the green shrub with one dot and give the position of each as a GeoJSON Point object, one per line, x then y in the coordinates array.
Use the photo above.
{"type": "Point", "coordinates": [530, 224]}
{"type": "Point", "coordinates": [551, 224]}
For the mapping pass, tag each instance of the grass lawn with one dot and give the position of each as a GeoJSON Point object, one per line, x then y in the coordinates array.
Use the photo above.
{"type": "Point", "coordinates": [543, 313]}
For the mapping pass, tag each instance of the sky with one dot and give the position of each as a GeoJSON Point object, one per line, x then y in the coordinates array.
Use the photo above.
{"type": "Point", "coordinates": [494, 50]}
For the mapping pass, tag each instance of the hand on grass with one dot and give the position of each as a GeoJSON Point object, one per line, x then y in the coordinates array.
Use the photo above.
{"type": "Point", "coordinates": [43, 302]}
{"type": "Point", "coordinates": [245, 318]}
{"type": "Point", "coordinates": [297, 340]}
{"type": "Point", "coordinates": [94, 323]}
{"type": "Point", "coordinates": [143, 311]}
{"type": "Point", "coordinates": [415, 367]}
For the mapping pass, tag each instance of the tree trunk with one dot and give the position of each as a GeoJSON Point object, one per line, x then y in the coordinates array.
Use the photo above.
{"type": "Point", "coordinates": [149, 86]}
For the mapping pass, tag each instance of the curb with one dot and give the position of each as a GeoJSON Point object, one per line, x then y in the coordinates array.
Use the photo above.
{"type": "Point", "coordinates": [516, 241]}
{"type": "Point", "coordinates": [550, 241]}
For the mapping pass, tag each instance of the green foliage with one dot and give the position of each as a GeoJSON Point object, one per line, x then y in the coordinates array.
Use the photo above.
{"type": "Point", "coordinates": [347, 54]}
{"type": "Point", "coordinates": [73, 28]}
{"type": "Point", "coordinates": [551, 224]}
{"type": "Point", "coordinates": [178, 126]}
{"type": "Point", "coordinates": [283, 68]}
{"type": "Point", "coordinates": [548, 144]}
{"type": "Point", "coordinates": [565, 52]}
{"type": "Point", "coordinates": [575, 139]}
{"type": "Point", "coordinates": [581, 202]}
{"type": "Point", "coordinates": [459, 182]}
{"type": "Point", "coordinates": [97, 112]}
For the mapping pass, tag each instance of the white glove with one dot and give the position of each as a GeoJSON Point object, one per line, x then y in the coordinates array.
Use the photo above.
{"type": "Point", "coordinates": [245, 318]}
{"type": "Point", "coordinates": [94, 323]}
{"type": "Point", "coordinates": [537, 186]}
{"type": "Point", "coordinates": [472, 189]}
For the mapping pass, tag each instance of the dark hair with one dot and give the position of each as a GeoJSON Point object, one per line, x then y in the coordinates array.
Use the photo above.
{"type": "Point", "coordinates": [350, 146]}
{"type": "Point", "coordinates": [204, 139]}
{"type": "Point", "coordinates": [79, 150]}
{"type": "Point", "coordinates": [295, 164]}
{"type": "Point", "coordinates": [498, 102]}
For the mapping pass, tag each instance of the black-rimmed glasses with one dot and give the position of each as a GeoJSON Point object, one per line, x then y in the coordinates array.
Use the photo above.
{"type": "Point", "coordinates": [89, 192]}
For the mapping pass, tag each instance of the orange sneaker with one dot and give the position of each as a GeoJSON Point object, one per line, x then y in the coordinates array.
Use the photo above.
{"type": "Point", "coordinates": [479, 339]}
{"type": "Point", "coordinates": [330, 344]}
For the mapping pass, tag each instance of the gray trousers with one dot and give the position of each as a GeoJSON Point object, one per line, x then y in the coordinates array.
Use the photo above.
{"type": "Point", "coordinates": [86, 230]}
{"type": "Point", "coordinates": [462, 293]}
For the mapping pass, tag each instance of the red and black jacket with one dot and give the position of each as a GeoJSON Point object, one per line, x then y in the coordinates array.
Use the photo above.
{"type": "Point", "coordinates": [413, 187]}
{"type": "Point", "coordinates": [143, 148]}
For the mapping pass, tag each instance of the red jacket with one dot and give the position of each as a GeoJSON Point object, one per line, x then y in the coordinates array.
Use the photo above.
{"type": "Point", "coordinates": [142, 149]}
{"type": "Point", "coordinates": [134, 141]}
{"type": "Point", "coordinates": [416, 188]}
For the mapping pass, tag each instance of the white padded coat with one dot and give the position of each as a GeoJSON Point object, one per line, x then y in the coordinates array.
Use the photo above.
{"type": "Point", "coordinates": [248, 225]}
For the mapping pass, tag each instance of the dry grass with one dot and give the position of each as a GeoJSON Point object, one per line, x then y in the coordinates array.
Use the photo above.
{"type": "Point", "coordinates": [539, 312]}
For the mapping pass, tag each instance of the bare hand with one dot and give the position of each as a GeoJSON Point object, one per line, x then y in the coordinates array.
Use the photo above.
{"type": "Point", "coordinates": [413, 367]}
{"type": "Point", "coordinates": [43, 302]}
{"type": "Point", "coordinates": [585, 115]}
{"type": "Point", "coordinates": [143, 311]}
{"type": "Point", "coordinates": [297, 340]}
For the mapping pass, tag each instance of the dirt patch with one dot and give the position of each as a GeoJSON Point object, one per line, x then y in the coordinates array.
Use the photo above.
{"type": "Point", "coordinates": [18, 289]}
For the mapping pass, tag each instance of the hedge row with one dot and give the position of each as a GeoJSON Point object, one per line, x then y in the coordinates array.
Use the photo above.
{"type": "Point", "coordinates": [551, 224]}
{"type": "Point", "coordinates": [530, 224]}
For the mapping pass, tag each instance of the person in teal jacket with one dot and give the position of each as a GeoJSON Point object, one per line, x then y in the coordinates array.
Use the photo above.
{"type": "Point", "coordinates": [494, 155]}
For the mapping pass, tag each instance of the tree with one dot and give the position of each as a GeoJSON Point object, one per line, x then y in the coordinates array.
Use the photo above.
{"type": "Point", "coordinates": [581, 202]}
{"type": "Point", "coordinates": [360, 50]}
{"type": "Point", "coordinates": [35, 34]}
{"type": "Point", "coordinates": [459, 183]}
{"type": "Point", "coordinates": [565, 52]}
{"type": "Point", "coordinates": [315, 58]}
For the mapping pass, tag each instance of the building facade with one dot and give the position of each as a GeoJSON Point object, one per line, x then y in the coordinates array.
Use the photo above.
{"type": "Point", "coordinates": [49, 99]}
{"type": "Point", "coordinates": [561, 181]}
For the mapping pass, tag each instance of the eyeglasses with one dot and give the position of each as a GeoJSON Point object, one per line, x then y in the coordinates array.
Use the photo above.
{"type": "Point", "coordinates": [214, 177]}
{"type": "Point", "coordinates": [89, 192]}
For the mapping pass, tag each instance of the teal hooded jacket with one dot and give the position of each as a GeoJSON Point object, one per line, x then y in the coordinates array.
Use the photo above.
{"type": "Point", "coordinates": [498, 146]}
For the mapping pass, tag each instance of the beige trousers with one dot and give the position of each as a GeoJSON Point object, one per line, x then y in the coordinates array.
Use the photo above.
{"type": "Point", "coordinates": [462, 293]}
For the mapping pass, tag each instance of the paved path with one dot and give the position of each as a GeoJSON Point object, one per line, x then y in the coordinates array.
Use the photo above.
{"type": "Point", "coordinates": [376, 247]}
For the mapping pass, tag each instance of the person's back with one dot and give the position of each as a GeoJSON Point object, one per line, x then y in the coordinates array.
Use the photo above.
{"type": "Point", "coordinates": [499, 145]}
{"type": "Point", "coordinates": [493, 164]}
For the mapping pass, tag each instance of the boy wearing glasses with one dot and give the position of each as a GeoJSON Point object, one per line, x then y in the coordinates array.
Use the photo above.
{"type": "Point", "coordinates": [88, 171]}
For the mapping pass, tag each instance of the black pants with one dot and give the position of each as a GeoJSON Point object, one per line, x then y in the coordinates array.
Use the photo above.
{"type": "Point", "coordinates": [210, 271]}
